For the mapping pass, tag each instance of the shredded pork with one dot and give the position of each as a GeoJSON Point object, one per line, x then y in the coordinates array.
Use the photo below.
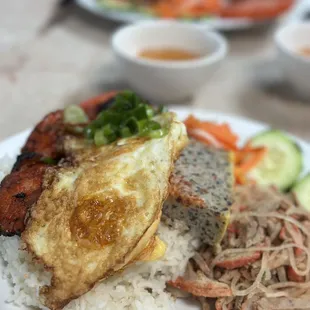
{"type": "Point", "coordinates": [263, 261]}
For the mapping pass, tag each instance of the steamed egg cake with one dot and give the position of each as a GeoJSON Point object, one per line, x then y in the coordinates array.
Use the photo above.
{"type": "Point", "coordinates": [100, 211]}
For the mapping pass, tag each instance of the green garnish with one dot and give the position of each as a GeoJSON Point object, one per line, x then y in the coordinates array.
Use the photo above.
{"type": "Point", "coordinates": [73, 114]}
{"type": "Point", "coordinates": [125, 132]}
{"type": "Point", "coordinates": [49, 160]}
{"type": "Point", "coordinates": [129, 115]}
{"type": "Point", "coordinates": [162, 109]}
{"type": "Point", "coordinates": [147, 126]}
{"type": "Point", "coordinates": [89, 132]}
{"type": "Point", "coordinates": [109, 129]}
{"type": "Point", "coordinates": [100, 138]}
{"type": "Point", "coordinates": [132, 124]}
{"type": "Point", "coordinates": [106, 117]}
{"type": "Point", "coordinates": [159, 133]}
{"type": "Point", "coordinates": [126, 101]}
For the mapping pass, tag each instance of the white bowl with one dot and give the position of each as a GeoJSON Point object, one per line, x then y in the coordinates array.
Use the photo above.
{"type": "Point", "coordinates": [167, 80]}
{"type": "Point", "coordinates": [296, 67]}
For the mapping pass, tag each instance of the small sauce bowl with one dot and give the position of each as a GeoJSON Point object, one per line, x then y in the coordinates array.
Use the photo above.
{"type": "Point", "coordinates": [167, 80]}
{"type": "Point", "coordinates": [290, 41]}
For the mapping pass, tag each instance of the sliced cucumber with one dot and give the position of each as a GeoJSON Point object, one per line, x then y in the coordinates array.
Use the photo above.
{"type": "Point", "coordinates": [283, 162]}
{"type": "Point", "coordinates": [302, 191]}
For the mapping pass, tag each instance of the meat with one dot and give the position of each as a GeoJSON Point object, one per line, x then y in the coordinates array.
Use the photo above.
{"type": "Point", "coordinates": [201, 263]}
{"type": "Point", "coordinates": [293, 276]}
{"type": "Point", "coordinates": [43, 139]}
{"type": "Point", "coordinates": [18, 191]}
{"type": "Point", "coordinates": [254, 259]}
{"type": "Point", "coordinates": [284, 303]}
{"type": "Point", "coordinates": [220, 302]}
{"type": "Point", "coordinates": [202, 286]}
{"type": "Point", "coordinates": [26, 160]}
{"type": "Point", "coordinates": [201, 191]}
{"type": "Point", "coordinates": [237, 261]}
{"type": "Point", "coordinates": [95, 105]}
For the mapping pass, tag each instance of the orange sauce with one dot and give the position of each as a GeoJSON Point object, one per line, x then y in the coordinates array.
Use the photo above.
{"type": "Point", "coordinates": [168, 54]}
{"type": "Point", "coordinates": [305, 51]}
{"type": "Point", "coordinates": [96, 223]}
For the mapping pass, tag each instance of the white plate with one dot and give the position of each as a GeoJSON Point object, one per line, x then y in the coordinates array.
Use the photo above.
{"type": "Point", "coordinates": [226, 24]}
{"type": "Point", "coordinates": [130, 17]}
{"type": "Point", "coordinates": [245, 128]}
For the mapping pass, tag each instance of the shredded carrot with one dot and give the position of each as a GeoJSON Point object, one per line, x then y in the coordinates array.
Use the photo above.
{"type": "Point", "coordinates": [165, 10]}
{"type": "Point", "coordinates": [200, 137]}
{"type": "Point", "coordinates": [240, 178]}
{"type": "Point", "coordinates": [200, 8]}
{"type": "Point", "coordinates": [221, 132]}
{"type": "Point", "coordinates": [254, 156]}
{"type": "Point", "coordinates": [221, 136]}
{"type": "Point", "coordinates": [182, 8]}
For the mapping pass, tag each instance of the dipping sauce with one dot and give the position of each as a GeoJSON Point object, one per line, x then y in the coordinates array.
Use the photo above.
{"type": "Point", "coordinates": [305, 51]}
{"type": "Point", "coordinates": [168, 54]}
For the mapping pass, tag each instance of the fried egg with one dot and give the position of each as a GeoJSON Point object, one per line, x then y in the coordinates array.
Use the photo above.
{"type": "Point", "coordinates": [100, 210]}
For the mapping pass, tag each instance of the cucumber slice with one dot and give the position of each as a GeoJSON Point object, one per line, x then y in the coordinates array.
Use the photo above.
{"type": "Point", "coordinates": [302, 192]}
{"type": "Point", "coordinates": [282, 163]}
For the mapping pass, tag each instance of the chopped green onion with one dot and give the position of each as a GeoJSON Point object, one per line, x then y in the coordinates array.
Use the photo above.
{"type": "Point", "coordinates": [126, 101]}
{"type": "Point", "coordinates": [125, 132]}
{"type": "Point", "coordinates": [128, 116]}
{"type": "Point", "coordinates": [100, 138]}
{"type": "Point", "coordinates": [142, 112]}
{"type": "Point", "coordinates": [49, 160]}
{"type": "Point", "coordinates": [152, 125]}
{"type": "Point", "coordinates": [145, 126]}
{"type": "Point", "coordinates": [132, 124]}
{"type": "Point", "coordinates": [149, 112]}
{"type": "Point", "coordinates": [109, 130]}
{"type": "Point", "coordinates": [107, 116]}
{"type": "Point", "coordinates": [89, 131]}
{"type": "Point", "coordinates": [73, 114]}
{"type": "Point", "coordinates": [156, 134]}
{"type": "Point", "coordinates": [162, 109]}
{"type": "Point", "coordinates": [142, 125]}
{"type": "Point", "coordinates": [112, 137]}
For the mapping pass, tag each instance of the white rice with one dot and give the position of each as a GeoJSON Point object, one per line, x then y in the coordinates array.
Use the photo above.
{"type": "Point", "coordinates": [139, 287]}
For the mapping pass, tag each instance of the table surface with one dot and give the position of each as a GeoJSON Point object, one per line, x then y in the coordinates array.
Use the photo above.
{"type": "Point", "coordinates": [51, 58]}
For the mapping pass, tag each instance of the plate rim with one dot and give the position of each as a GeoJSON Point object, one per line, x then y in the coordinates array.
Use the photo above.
{"type": "Point", "coordinates": [225, 24]}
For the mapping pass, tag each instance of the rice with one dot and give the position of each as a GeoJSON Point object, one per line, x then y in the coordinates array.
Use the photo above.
{"type": "Point", "coordinates": [141, 286]}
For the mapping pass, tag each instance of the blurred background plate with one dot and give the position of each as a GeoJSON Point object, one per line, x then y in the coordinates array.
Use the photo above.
{"type": "Point", "coordinates": [130, 17]}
